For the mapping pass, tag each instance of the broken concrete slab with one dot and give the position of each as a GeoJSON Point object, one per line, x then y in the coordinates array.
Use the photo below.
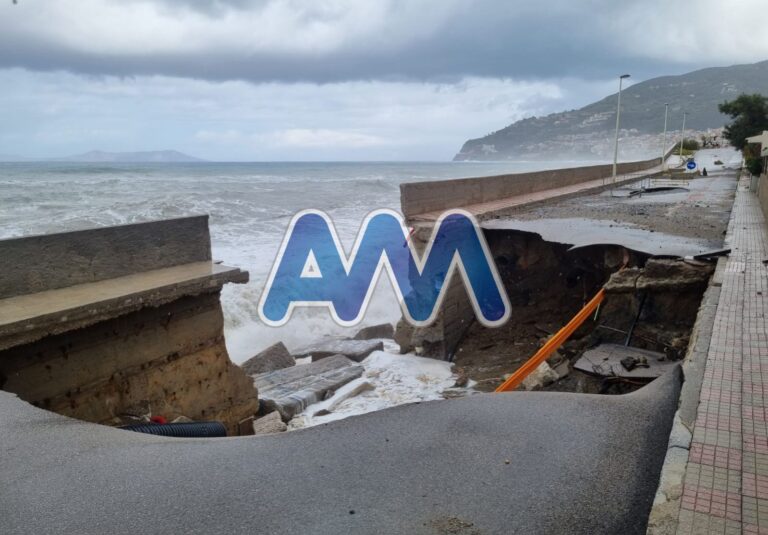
{"type": "Point", "coordinates": [662, 274]}
{"type": "Point", "coordinates": [383, 330]}
{"type": "Point", "coordinates": [356, 350]}
{"type": "Point", "coordinates": [271, 423]}
{"type": "Point", "coordinates": [605, 361]}
{"type": "Point", "coordinates": [275, 357]}
{"type": "Point", "coordinates": [291, 390]}
{"type": "Point", "coordinates": [540, 377]}
{"type": "Point", "coordinates": [350, 391]}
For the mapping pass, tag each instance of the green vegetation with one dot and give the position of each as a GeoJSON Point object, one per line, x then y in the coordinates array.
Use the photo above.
{"type": "Point", "coordinates": [750, 118]}
{"type": "Point", "coordinates": [691, 145]}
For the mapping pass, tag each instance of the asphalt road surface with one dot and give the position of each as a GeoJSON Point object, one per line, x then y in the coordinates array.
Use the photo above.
{"type": "Point", "coordinates": [523, 462]}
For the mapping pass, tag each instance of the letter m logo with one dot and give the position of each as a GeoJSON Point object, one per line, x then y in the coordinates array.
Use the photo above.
{"type": "Point", "coordinates": [312, 269]}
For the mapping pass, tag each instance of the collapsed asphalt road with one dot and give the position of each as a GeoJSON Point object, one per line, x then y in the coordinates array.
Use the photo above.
{"type": "Point", "coordinates": [528, 462]}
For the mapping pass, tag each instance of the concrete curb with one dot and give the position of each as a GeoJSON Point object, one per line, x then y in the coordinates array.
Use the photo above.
{"type": "Point", "coordinates": [663, 519]}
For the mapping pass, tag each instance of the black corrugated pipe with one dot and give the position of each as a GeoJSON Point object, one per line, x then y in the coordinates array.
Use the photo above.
{"type": "Point", "coordinates": [186, 429]}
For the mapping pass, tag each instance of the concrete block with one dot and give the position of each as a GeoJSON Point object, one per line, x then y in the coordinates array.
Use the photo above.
{"type": "Point", "coordinates": [275, 357]}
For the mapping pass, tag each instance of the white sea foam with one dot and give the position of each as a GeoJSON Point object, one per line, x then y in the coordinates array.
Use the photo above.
{"type": "Point", "coordinates": [396, 380]}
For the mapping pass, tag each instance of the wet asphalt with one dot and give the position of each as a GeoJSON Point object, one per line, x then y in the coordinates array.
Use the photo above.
{"type": "Point", "coordinates": [521, 462]}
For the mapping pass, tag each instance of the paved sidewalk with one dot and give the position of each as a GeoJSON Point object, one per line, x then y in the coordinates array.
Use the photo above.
{"type": "Point", "coordinates": [725, 488]}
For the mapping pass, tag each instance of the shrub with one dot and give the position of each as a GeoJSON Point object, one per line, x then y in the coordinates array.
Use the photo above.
{"type": "Point", "coordinates": [691, 145]}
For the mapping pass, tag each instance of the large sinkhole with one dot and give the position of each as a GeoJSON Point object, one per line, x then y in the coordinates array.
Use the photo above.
{"type": "Point", "coordinates": [651, 304]}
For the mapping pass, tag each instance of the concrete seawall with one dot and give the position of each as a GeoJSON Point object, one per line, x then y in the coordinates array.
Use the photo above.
{"type": "Point", "coordinates": [420, 197]}
{"type": "Point", "coordinates": [101, 323]}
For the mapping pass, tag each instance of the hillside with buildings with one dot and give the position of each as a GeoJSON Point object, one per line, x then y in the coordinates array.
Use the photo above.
{"type": "Point", "coordinates": [588, 132]}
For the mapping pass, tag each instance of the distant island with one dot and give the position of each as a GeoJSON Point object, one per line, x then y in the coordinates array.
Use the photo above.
{"type": "Point", "coordinates": [98, 156]}
{"type": "Point", "coordinates": [587, 133]}
{"type": "Point", "coordinates": [155, 156]}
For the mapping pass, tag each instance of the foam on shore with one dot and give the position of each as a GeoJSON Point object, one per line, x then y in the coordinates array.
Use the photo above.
{"type": "Point", "coordinates": [396, 380]}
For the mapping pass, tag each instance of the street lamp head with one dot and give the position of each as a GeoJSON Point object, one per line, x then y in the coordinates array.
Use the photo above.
{"type": "Point", "coordinates": [624, 76]}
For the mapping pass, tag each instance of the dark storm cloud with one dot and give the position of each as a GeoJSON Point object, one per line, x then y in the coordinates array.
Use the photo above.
{"type": "Point", "coordinates": [437, 41]}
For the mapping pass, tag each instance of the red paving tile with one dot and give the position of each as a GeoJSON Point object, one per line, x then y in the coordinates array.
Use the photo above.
{"type": "Point", "coordinates": [726, 481]}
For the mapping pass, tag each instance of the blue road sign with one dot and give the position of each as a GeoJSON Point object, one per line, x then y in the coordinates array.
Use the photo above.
{"type": "Point", "coordinates": [691, 165]}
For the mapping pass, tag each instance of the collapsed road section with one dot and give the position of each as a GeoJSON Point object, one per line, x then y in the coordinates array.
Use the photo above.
{"type": "Point", "coordinates": [535, 462]}
{"type": "Point", "coordinates": [649, 244]}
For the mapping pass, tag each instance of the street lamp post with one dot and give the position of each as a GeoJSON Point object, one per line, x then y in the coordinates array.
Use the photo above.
{"type": "Point", "coordinates": [616, 139]}
{"type": "Point", "coordinates": [682, 136]}
{"type": "Point", "coordinates": [664, 143]}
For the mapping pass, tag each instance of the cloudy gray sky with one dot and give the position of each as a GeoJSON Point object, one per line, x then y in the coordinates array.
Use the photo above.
{"type": "Point", "coordinates": [333, 79]}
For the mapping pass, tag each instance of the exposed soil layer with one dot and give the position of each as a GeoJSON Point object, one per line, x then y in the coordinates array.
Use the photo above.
{"type": "Point", "coordinates": [657, 299]}
{"type": "Point", "coordinates": [546, 286]}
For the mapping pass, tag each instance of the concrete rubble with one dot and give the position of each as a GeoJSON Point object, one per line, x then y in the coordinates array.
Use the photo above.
{"type": "Point", "coordinates": [271, 423]}
{"type": "Point", "coordinates": [275, 357]}
{"type": "Point", "coordinates": [356, 390]}
{"type": "Point", "coordinates": [291, 390]}
{"type": "Point", "coordinates": [540, 377]}
{"type": "Point", "coordinates": [355, 350]}
{"type": "Point", "coordinates": [383, 330]}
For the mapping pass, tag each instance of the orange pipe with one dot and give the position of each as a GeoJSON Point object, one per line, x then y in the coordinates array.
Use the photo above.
{"type": "Point", "coordinates": [552, 344]}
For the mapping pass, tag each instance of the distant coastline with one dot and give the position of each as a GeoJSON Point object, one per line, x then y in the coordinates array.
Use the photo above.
{"type": "Point", "coordinates": [98, 156]}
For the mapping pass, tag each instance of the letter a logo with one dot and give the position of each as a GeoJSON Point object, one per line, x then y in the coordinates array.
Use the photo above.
{"type": "Point", "coordinates": [312, 269]}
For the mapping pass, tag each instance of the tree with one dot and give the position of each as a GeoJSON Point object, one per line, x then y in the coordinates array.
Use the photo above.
{"type": "Point", "coordinates": [750, 118]}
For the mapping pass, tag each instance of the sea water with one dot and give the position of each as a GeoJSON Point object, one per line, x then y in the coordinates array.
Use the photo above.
{"type": "Point", "coordinates": [250, 206]}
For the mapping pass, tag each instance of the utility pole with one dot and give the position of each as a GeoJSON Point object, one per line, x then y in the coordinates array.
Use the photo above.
{"type": "Point", "coordinates": [616, 139]}
{"type": "Point", "coordinates": [682, 136]}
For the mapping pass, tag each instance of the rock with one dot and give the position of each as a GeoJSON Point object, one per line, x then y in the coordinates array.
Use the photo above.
{"type": "Point", "coordinates": [424, 341]}
{"type": "Point", "coordinates": [562, 369]}
{"type": "Point", "coordinates": [275, 357]}
{"type": "Point", "coordinates": [384, 330]}
{"type": "Point", "coordinates": [540, 377]}
{"type": "Point", "coordinates": [462, 379]}
{"type": "Point", "coordinates": [559, 364]}
{"type": "Point", "coordinates": [291, 390]}
{"type": "Point", "coordinates": [271, 423]}
{"type": "Point", "coordinates": [355, 350]}
{"type": "Point", "coordinates": [455, 393]}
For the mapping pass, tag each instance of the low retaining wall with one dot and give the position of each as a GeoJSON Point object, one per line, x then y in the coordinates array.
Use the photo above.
{"type": "Point", "coordinates": [420, 197]}
{"type": "Point", "coordinates": [762, 193]}
{"type": "Point", "coordinates": [115, 322]}
{"type": "Point", "coordinates": [47, 262]}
